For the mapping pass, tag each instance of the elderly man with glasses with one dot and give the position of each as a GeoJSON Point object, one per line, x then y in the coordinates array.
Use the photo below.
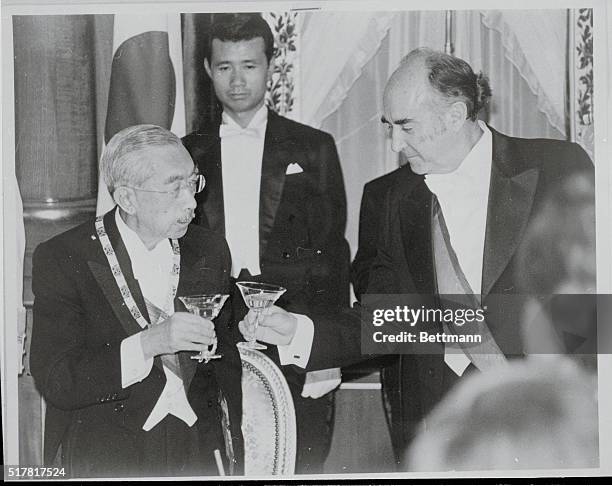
{"type": "Point", "coordinates": [112, 342]}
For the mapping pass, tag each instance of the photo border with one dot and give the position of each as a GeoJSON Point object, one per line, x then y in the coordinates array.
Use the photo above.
{"type": "Point", "coordinates": [10, 354]}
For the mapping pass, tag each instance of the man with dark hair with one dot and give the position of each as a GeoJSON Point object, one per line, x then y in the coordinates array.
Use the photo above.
{"type": "Point", "coordinates": [241, 27]}
{"type": "Point", "coordinates": [112, 343]}
{"type": "Point", "coordinates": [275, 190]}
{"type": "Point", "coordinates": [451, 223]}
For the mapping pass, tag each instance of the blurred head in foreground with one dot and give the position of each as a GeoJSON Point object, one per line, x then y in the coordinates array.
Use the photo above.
{"type": "Point", "coordinates": [558, 252]}
{"type": "Point", "coordinates": [558, 272]}
{"type": "Point", "coordinates": [531, 414]}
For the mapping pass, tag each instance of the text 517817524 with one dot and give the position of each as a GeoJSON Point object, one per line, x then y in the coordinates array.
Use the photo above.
{"type": "Point", "coordinates": [12, 473]}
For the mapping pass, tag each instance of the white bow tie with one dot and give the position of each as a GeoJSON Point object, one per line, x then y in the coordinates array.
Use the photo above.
{"type": "Point", "coordinates": [227, 130]}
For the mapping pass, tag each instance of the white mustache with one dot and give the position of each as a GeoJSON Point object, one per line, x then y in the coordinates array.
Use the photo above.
{"type": "Point", "coordinates": [187, 218]}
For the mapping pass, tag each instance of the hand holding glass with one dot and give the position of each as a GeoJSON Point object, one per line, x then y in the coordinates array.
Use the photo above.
{"type": "Point", "coordinates": [258, 297]}
{"type": "Point", "coordinates": [207, 306]}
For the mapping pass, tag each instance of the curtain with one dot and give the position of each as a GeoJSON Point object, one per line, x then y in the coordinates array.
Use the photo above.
{"type": "Point", "coordinates": [360, 137]}
{"type": "Point", "coordinates": [60, 81]}
{"type": "Point", "coordinates": [516, 88]}
{"type": "Point", "coordinates": [517, 107]}
{"type": "Point", "coordinates": [335, 47]}
{"type": "Point", "coordinates": [201, 105]}
{"type": "Point", "coordinates": [535, 42]}
{"type": "Point", "coordinates": [54, 107]}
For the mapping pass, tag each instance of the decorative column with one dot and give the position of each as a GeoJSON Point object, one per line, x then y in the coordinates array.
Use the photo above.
{"type": "Point", "coordinates": [56, 161]}
{"type": "Point", "coordinates": [56, 158]}
{"type": "Point", "coordinates": [283, 87]}
{"type": "Point", "coordinates": [581, 78]}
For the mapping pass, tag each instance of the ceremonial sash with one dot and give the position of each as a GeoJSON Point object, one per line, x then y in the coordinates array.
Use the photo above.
{"type": "Point", "coordinates": [451, 282]}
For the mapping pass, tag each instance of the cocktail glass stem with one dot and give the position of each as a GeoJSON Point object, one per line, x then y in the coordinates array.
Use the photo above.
{"type": "Point", "coordinates": [258, 296]}
{"type": "Point", "coordinates": [253, 336]}
{"type": "Point", "coordinates": [208, 306]}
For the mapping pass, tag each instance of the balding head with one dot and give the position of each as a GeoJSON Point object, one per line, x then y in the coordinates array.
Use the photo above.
{"type": "Point", "coordinates": [409, 81]}
{"type": "Point", "coordinates": [430, 104]}
{"type": "Point", "coordinates": [449, 79]}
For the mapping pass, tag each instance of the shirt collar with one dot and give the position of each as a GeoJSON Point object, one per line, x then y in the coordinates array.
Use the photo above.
{"type": "Point", "coordinates": [140, 256]}
{"type": "Point", "coordinates": [470, 172]}
{"type": "Point", "coordinates": [260, 119]}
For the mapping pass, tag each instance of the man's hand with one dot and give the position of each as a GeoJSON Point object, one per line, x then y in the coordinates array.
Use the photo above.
{"type": "Point", "coordinates": [180, 332]}
{"type": "Point", "coordinates": [276, 326]}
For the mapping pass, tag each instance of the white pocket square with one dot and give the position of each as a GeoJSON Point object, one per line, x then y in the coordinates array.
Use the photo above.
{"type": "Point", "coordinates": [294, 168]}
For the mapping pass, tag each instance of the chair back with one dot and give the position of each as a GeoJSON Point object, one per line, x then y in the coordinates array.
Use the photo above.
{"type": "Point", "coordinates": [268, 417]}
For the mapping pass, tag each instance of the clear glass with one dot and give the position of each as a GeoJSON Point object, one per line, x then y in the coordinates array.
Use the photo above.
{"type": "Point", "coordinates": [207, 306]}
{"type": "Point", "coordinates": [258, 297]}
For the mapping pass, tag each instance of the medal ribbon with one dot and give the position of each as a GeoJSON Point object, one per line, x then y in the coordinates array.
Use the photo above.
{"type": "Point", "coordinates": [126, 294]}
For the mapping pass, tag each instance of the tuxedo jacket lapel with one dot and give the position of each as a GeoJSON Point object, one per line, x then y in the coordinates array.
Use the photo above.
{"type": "Point", "coordinates": [192, 265]}
{"type": "Point", "coordinates": [511, 195]}
{"type": "Point", "coordinates": [210, 166]}
{"type": "Point", "coordinates": [276, 158]}
{"type": "Point", "coordinates": [512, 190]}
{"type": "Point", "coordinates": [415, 224]}
{"type": "Point", "coordinates": [104, 276]}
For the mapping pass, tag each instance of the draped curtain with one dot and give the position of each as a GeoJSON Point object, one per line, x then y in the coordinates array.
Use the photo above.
{"type": "Point", "coordinates": [336, 46]}
{"type": "Point", "coordinates": [529, 83]}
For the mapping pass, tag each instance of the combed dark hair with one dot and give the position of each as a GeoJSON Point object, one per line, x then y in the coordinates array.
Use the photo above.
{"type": "Point", "coordinates": [235, 27]}
{"type": "Point", "coordinates": [454, 79]}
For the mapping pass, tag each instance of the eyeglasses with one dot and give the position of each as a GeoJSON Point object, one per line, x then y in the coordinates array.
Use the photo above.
{"type": "Point", "coordinates": [194, 185]}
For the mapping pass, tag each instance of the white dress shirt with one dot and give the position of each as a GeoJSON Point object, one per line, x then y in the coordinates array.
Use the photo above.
{"type": "Point", "coordinates": [151, 269]}
{"type": "Point", "coordinates": [464, 196]}
{"type": "Point", "coordinates": [241, 163]}
{"type": "Point", "coordinates": [241, 156]}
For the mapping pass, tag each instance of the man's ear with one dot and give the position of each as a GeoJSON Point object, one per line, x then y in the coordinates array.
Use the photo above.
{"type": "Point", "coordinates": [207, 68]}
{"type": "Point", "coordinates": [270, 70]}
{"type": "Point", "coordinates": [456, 115]}
{"type": "Point", "coordinates": [124, 197]}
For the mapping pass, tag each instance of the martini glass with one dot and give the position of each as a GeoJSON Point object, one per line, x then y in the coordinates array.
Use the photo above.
{"type": "Point", "coordinates": [208, 307]}
{"type": "Point", "coordinates": [258, 297]}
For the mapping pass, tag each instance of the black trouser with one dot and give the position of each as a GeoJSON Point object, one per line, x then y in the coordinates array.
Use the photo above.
{"type": "Point", "coordinates": [315, 424]}
{"type": "Point", "coordinates": [170, 448]}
